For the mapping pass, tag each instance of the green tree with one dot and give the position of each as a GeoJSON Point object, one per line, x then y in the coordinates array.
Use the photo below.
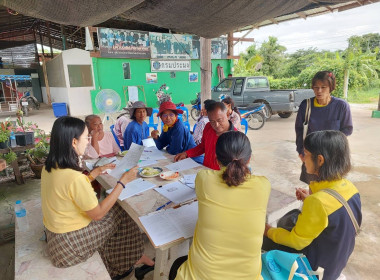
{"type": "Point", "coordinates": [273, 55]}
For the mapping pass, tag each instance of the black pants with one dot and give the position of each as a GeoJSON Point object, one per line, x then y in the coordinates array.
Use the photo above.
{"type": "Point", "coordinates": [177, 263]}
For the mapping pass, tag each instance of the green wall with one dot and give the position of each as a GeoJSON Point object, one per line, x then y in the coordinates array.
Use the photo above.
{"type": "Point", "coordinates": [108, 74]}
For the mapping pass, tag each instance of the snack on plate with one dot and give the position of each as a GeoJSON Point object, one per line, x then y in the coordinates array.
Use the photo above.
{"type": "Point", "coordinates": [150, 171]}
{"type": "Point", "coordinates": [169, 175]}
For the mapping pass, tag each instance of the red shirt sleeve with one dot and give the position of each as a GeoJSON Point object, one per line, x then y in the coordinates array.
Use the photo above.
{"type": "Point", "coordinates": [200, 149]}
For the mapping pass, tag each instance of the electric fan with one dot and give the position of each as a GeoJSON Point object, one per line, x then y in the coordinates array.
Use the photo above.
{"type": "Point", "coordinates": [107, 101]}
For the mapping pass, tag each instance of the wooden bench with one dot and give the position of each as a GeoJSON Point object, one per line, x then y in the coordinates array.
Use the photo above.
{"type": "Point", "coordinates": [32, 260]}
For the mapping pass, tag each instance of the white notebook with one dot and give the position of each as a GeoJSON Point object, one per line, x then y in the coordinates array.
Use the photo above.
{"type": "Point", "coordinates": [168, 225]}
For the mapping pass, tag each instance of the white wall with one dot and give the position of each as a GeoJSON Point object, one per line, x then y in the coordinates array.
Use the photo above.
{"type": "Point", "coordinates": [78, 99]}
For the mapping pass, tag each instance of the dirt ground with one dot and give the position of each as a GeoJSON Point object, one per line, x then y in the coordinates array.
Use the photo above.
{"type": "Point", "coordinates": [274, 156]}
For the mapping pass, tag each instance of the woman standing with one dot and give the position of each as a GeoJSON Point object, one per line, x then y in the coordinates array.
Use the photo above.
{"type": "Point", "coordinates": [175, 136]}
{"type": "Point", "coordinates": [233, 113]}
{"type": "Point", "coordinates": [77, 225]}
{"type": "Point", "coordinates": [232, 206]}
{"type": "Point", "coordinates": [326, 113]}
{"type": "Point", "coordinates": [138, 129]}
{"type": "Point", "coordinates": [324, 231]}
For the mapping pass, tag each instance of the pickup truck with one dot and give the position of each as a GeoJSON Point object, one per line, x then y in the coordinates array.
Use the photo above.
{"type": "Point", "coordinates": [247, 90]}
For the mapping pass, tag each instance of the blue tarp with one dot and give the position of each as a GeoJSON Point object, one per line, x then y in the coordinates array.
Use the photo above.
{"type": "Point", "coordinates": [15, 77]}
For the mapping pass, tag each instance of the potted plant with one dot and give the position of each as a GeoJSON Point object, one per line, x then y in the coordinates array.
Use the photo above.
{"type": "Point", "coordinates": [5, 132]}
{"type": "Point", "coordinates": [9, 157]}
{"type": "Point", "coordinates": [38, 154]}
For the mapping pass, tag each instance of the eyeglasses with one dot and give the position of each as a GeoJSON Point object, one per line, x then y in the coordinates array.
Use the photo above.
{"type": "Point", "coordinates": [167, 115]}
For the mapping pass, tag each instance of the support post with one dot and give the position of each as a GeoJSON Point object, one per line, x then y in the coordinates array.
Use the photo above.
{"type": "Point", "coordinates": [41, 41]}
{"type": "Point", "coordinates": [205, 69]}
{"type": "Point", "coordinates": [35, 47]}
{"type": "Point", "coordinates": [46, 79]}
{"type": "Point", "coordinates": [64, 42]}
{"type": "Point", "coordinates": [49, 37]}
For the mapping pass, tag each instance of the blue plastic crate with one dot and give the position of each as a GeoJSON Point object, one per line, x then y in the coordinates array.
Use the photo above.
{"type": "Point", "coordinates": [59, 109]}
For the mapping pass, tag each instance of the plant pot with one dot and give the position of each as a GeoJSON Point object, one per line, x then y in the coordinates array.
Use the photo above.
{"type": "Point", "coordinates": [4, 145]}
{"type": "Point", "coordinates": [37, 169]}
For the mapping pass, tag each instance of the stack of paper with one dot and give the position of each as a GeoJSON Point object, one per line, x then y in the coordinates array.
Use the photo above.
{"type": "Point", "coordinates": [134, 187]}
{"type": "Point", "coordinates": [171, 224]}
{"type": "Point", "coordinates": [128, 162]}
{"type": "Point", "coordinates": [176, 192]}
{"type": "Point", "coordinates": [152, 153]}
{"type": "Point", "coordinates": [183, 165]}
{"type": "Point", "coordinates": [189, 180]}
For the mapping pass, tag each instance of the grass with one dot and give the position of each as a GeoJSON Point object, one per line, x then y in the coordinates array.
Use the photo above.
{"type": "Point", "coordinates": [364, 95]}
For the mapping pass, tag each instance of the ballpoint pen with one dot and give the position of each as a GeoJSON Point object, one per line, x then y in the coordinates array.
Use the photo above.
{"type": "Point", "coordinates": [162, 206]}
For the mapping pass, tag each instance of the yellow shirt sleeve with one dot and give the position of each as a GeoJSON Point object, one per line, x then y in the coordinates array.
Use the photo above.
{"type": "Point", "coordinates": [82, 193]}
{"type": "Point", "coordinates": [311, 222]}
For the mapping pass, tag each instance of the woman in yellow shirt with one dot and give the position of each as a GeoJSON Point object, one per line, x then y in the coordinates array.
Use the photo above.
{"type": "Point", "coordinates": [232, 207]}
{"type": "Point", "coordinates": [77, 225]}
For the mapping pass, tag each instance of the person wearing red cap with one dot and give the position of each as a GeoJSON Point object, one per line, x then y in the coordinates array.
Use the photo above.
{"type": "Point", "coordinates": [175, 136]}
{"type": "Point", "coordinates": [219, 123]}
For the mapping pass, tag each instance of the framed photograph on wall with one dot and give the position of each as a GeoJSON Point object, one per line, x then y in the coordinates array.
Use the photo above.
{"type": "Point", "coordinates": [151, 78]}
{"type": "Point", "coordinates": [193, 77]}
{"type": "Point", "coordinates": [126, 71]}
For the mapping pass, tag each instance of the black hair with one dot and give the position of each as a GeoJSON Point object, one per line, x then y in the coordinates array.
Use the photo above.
{"type": "Point", "coordinates": [133, 117]}
{"type": "Point", "coordinates": [207, 103]}
{"type": "Point", "coordinates": [62, 153]}
{"type": "Point", "coordinates": [228, 100]}
{"type": "Point", "coordinates": [325, 76]}
{"type": "Point", "coordinates": [334, 148]}
{"type": "Point", "coordinates": [216, 105]}
{"type": "Point", "coordinates": [233, 150]}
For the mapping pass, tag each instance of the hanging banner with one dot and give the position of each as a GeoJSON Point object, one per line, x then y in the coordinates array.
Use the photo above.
{"type": "Point", "coordinates": [123, 43]}
{"type": "Point", "coordinates": [219, 48]}
{"type": "Point", "coordinates": [170, 46]}
{"type": "Point", "coordinates": [159, 65]}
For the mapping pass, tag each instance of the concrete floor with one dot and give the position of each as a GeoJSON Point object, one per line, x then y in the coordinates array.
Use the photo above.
{"type": "Point", "coordinates": [274, 156]}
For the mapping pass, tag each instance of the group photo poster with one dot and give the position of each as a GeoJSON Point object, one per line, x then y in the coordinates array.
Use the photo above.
{"type": "Point", "coordinates": [123, 43]}
{"type": "Point", "coordinates": [170, 46]}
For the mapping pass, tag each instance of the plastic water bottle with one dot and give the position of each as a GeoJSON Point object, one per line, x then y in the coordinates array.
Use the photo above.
{"type": "Point", "coordinates": [13, 139]}
{"type": "Point", "coordinates": [21, 218]}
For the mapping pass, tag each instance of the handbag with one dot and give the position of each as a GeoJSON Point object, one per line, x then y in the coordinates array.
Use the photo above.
{"type": "Point", "coordinates": [307, 117]}
{"type": "Point", "coordinates": [280, 265]}
{"type": "Point", "coordinates": [289, 220]}
{"type": "Point", "coordinates": [340, 198]}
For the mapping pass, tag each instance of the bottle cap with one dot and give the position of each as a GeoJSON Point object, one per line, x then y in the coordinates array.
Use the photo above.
{"type": "Point", "coordinates": [18, 202]}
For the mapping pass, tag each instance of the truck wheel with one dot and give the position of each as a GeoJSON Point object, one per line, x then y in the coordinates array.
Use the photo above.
{"type": "Point", "coordinates": [267, 111]}
{"type": "Point", "coordinates": [195, 113]}
{"type": "Point", "coordinates": [256, 120]}
{"type": "Point", "coordinates": [285, 115]}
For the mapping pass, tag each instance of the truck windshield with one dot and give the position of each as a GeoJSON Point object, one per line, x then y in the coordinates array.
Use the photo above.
{"type": "Point", "coordinates": [257, 83]}
{"type": "Point", "coordinates": [226, 85]}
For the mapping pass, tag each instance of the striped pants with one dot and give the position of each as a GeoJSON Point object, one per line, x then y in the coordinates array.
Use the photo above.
{"type": "Point", "coordinates": [116, 237]}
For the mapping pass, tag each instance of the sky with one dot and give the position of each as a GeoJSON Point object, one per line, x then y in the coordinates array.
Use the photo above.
{"type": "Point", "coordinates": [326, 32]}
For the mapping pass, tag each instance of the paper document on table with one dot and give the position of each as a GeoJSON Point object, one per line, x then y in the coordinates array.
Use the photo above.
{"type": "Point", "coordinates": [152, 153]}
{"type": "Point", "coordinates": [134, 187]}
{"type": "Point", "coordinates": [177, 192]}
{"type": "Point", "coordinates": [129, 161]}
{"type": "Point", "coordinates": [149, 142]}
{"type": "Point", "coordinates": [183, 165]}
{"type": "Point", "coordinates": [189, 180]}
{"type": "Point", "coordinates": [171, 224]}
{"type": "Point", "coordinates": [143, 163]}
